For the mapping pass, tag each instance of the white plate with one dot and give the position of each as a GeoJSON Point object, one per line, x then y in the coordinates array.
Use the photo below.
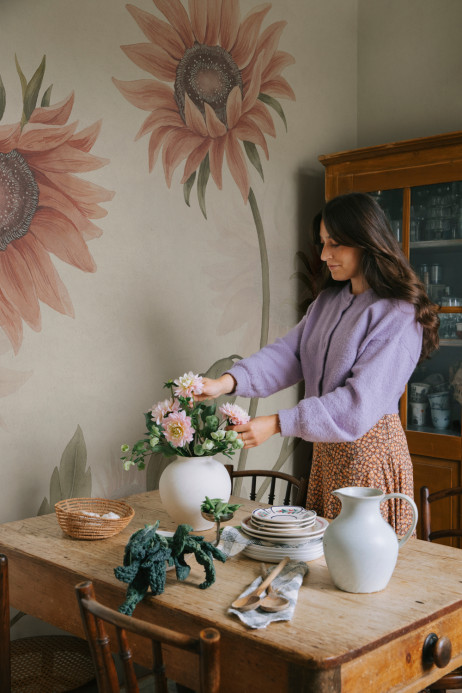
{"type": "Point", "coordinates": [317, 529]}
{"type": "Point", "coordinates": [260, 553]}
{"type": "Point", "coordinates": [273, 527]}
{"type": "Point", "coordinates": [283, 514]}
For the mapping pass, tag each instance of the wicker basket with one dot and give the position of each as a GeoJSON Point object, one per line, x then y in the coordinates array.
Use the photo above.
{"type": "Point", "coordinates": [74, 523]}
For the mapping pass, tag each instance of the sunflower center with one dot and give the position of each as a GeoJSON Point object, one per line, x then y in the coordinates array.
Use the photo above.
{"type": "Point", "coordinates": [19, 196]}
{"type": "Point", "coordinates": [206, 74]}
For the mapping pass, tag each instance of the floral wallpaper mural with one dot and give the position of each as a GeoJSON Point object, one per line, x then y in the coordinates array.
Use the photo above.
{"type": "Point", "coordinates": [215, 87]}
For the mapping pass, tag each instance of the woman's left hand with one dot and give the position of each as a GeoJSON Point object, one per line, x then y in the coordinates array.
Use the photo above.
{"type": "Point", "coordinates": [257, 430]}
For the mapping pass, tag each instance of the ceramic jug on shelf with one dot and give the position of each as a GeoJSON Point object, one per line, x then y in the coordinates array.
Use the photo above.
{"type": "Point", "coordinates": [360, 547]}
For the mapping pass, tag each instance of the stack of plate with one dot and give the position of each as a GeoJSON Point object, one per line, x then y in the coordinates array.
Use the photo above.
{"type": "Point", "coordinates": [284, 530]}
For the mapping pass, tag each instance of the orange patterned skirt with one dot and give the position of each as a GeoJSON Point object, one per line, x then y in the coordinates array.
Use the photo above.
{"type": "Point", "coordinates": [380, 459]}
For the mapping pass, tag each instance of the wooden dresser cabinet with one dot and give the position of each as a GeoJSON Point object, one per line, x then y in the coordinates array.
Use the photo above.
{"type": "Point", "coordinates": [419, 185]}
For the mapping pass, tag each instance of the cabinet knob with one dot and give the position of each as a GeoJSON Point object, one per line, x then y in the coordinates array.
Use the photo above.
{"type": "Point", "coordinates": [437, 650]}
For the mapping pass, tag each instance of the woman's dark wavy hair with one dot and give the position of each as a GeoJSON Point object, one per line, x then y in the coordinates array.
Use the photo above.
{"type": "Point", "coordinates": [358, 221]}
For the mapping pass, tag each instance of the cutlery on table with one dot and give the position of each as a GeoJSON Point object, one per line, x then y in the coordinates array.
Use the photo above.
{"type": "Point", "coordinates": [253, 600]}
{"type": "Point", "coordinates": [273, 600]}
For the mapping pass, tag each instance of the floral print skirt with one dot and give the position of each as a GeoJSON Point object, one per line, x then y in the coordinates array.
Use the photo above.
{"type": "Point", "coordinates": [379, 459]}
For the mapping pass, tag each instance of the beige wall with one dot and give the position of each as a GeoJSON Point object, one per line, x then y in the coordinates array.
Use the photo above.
{"type": "Point", "coordinates": [172, 291]}
{"type": "Point", "coordinates": [409, 69]}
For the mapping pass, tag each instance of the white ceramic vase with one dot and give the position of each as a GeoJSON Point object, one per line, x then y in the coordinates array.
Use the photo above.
{"type": "Point", "coordinates": [185, 483]}
{"type": "Point", "coordinates": [360, 547]}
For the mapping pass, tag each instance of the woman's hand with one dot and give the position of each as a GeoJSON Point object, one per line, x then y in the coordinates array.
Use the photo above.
{"type": "Point", "coordinates": [213, 388]}
{"type": "Point", "coordinates": [257, 430]}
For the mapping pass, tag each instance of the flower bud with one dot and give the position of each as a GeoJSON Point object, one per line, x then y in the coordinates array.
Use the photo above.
{"type": "Point", "coordinates": [207, 445]}
{"type": "Point", "coordinates": [218, 435]}
{"type": "Point", "coordinates": [231, 435]}
{"type": "Point", "coordinates": [238, 444]}
{"type": "Point", "coordinates": [212, 422]}
{"type": "Point", "coordinates": [127, 464]}
{"type": "Point", "coordinates": [124, 447]}
{"type": "Point", "coordinates": [153, 442]}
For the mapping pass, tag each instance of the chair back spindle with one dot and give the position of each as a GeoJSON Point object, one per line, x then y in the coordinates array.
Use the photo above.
{"type": "Point", "coordinates": [298, 486]}
{"type": "Point", "coordinates": [95, 615]}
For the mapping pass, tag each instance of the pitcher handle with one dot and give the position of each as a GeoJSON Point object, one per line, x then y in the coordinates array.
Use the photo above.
{"type": "Point", "coordinates": [415, 514]}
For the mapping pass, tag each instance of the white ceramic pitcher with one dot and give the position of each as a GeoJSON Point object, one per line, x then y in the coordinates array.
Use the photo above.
{"type": "Point", "coordinates": [360, 547]}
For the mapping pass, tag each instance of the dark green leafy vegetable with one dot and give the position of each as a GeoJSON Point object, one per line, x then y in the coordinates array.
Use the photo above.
{"type": "Point", "coordinates": [147, 554]}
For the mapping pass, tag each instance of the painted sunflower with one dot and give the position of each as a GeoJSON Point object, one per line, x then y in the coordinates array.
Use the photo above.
{"type": "Point", "coordinates": [215, 77]}
{"type": "Point", "coordinates": [44, 208]}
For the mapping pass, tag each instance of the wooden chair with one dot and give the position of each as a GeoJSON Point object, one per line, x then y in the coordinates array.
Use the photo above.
{"type": "Point", "coordinates": [293, 484]}
{"type": "Point", "coordinates": [43, 663]}
{"type": "Point", "coordinates": [453, 680]}
{"type": "Point", "coordinates": [94, 616]}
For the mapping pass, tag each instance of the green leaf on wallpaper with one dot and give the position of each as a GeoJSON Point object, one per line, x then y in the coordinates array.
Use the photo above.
{"type": "Point", "coordinates": [2, 99]}
{"type": "Point", "coordinates": [187, 187]}
{"type": "Point", "coordinates": [156, 465]}
{"type": "Point", "coordinates": [254, 157]}
{"type": "Point", "coordinates": [202, 180]}
{"type": "Point", "coordinates": [274, 104]}
{"type": "Point", "coordinates": [71, 480]}
{"type": "Point", "coordinates": [33, 88]}
{"type": "Point", "coordinates": [46, 98]}
{"type": "Point", "coordinates": [22, 77]}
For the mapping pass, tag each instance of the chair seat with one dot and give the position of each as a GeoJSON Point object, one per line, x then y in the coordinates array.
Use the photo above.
{"type": "Point", "coordinates": [50, 664]}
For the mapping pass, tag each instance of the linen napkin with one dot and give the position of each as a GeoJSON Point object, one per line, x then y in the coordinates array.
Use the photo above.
{"type": "Point", "coordinates": [287, 584]}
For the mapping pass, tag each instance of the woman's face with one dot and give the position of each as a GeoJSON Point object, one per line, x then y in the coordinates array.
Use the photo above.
{"type": "Point", "coordinates": [343, 261]}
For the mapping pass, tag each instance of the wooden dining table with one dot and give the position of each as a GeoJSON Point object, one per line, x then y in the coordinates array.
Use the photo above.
{"type": "Point", "coordinates": [336, 641]}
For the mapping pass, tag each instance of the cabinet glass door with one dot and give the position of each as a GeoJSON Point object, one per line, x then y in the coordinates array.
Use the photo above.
{"type": "Point", "coordinates": [435, 388]}
{"type": "Point", "coordinates": [391, 202]}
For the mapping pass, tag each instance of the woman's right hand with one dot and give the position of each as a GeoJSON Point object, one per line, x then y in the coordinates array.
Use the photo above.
{"type": "Point", "coordinates": [213, 388]}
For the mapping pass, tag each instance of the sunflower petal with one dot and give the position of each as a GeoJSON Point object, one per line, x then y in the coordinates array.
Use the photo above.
{"type": "Point", "coordinates": [64, 159]}
{"type": "Point", "coordinates": [246, 40]}
{"type": "Point", "coordinates": [86, 138]}
{"type": "Point", "coordinates": [157, 31]}
{"type": "Point", "coordinates": [54, 199]}
{"type": "Point", "coordinates": [233, 107]}
{"type": "Point", "coordinates": [213, 22]}
{"type": "Point", "coordinates": [247, 130]}
{"type": "Point", "coordinates": [60, 237]}
{"type": "Point", "coordinates": [198, 17]}
{"type": "Point", "coordinates": [86, 195]}
{"type": "Point", "coordinates": [53, 115]}
{"type": "Point", "coordinates": [155, 143]}
{"type": "Point", "coordinates": [147, 94]}
{"type": "Point", "coordinates": [253, 88]}
{"type": "Point", "coordinates": [9, 136]}
{"type": "Point", "coordinates": [194, 118]}
{"type": "Point", "coordinates": [178, 145]}
{"type": "Point", "coordinates": [278, 86]}
{"type": "Point", "coordinates": [195, 159]}
{"type": "Point", "coordinates": [11, 322]}
{"type": "Point", "coordinates": [215, 127]}
{"type": "Point", "coordinates": [48, 285]}
{"type": "Point", "coordinates": [152, 59]}
{"type": "Point", "coordinates": [38, 137]}
{"type": "Point", "coordinates": [262, 118]}
{"type": "Point", "coordinates": [217, 150]}
{"type": "Point", "coordinates": [160, 118]}
{"type": "Point", "coordinates": [18, 286]}
{"type": "Point", "coordinates": [229, 23]}
{"type": "Point", "coordinates": [278, 63]}
{"type": "Point", "coordinates": [237, 164]}
{"type": "Point", "coordinates": [176, 14]}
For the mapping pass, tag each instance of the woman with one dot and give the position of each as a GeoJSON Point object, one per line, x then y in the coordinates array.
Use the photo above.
{"type": "Point", "coordinates": [356, 348]}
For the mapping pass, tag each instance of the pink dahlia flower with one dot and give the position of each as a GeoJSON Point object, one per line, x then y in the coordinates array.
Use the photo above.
{"type": "Point", "coordinates": [188, 385]}
{"type": "Point", "coordinates": [235, 414]}
{"type": "Point", "coordinates": [162, 409]}
{"type": "Point", "coordinates": [178, 429]}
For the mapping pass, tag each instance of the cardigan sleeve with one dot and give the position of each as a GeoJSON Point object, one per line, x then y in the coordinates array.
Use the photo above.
{"type": "Point", "coordinates": [373, 389]}
{"type": "Point", "coordinates": [271, 369]}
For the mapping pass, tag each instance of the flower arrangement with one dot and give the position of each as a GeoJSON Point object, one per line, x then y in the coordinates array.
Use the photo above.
{"type": "Point", "coordinates": [181, 426]}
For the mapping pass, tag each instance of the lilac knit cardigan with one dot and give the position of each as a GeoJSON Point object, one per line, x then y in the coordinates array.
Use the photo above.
{"type": "Point", "coordinates": [355, 355]}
